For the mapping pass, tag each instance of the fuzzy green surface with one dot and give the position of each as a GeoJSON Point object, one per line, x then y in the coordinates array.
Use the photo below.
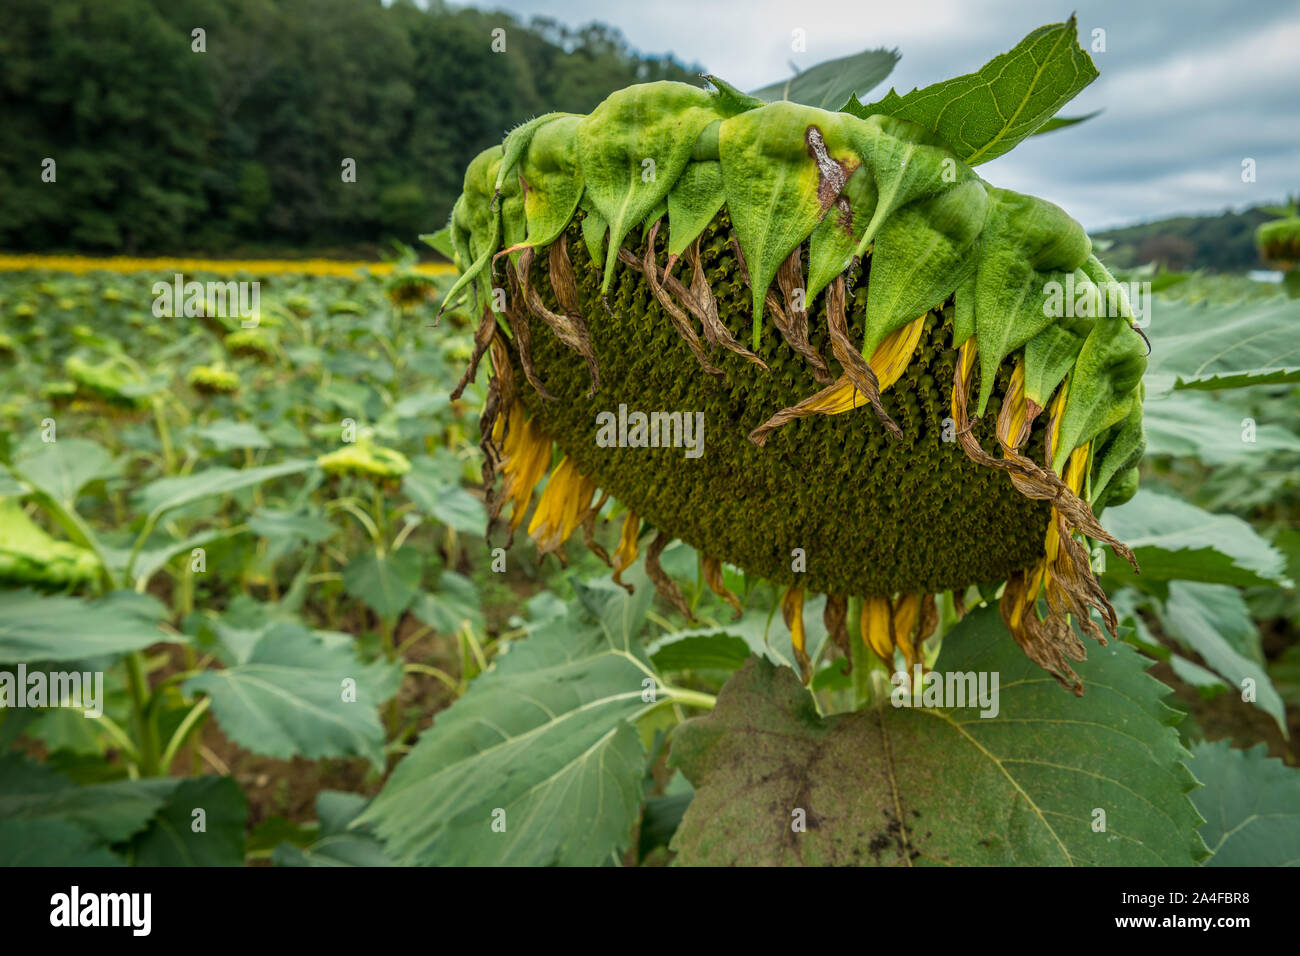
{"type": "Point", "coordinates": [873, 515]}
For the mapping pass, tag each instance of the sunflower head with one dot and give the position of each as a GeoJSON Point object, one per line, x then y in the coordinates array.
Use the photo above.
{"type": "Point", "coordinates": [59, 392]}
{"type": "Point", "coordinates": [108, 384]}
{"type": "Point", "coordinates": [408, 291]}
{"type": "Point", "coordinates": [899, 379]}
{"type": "Point", "coordinates": [249, 343]}
{"type": "Point", "coordinates": [212, 380]}
{"type": "Point", "coordinates": [367, 459]}
{"type": "Point", "coordinates": [1279, 242]}
{"type": "Point", "coordinates": [29, 557]}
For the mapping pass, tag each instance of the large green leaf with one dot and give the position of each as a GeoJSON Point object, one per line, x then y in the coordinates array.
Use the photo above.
{"type": "Point", "coordinates": [168, 493]}
{"type": "Point", "coordinates": [984, 114]}
{"type": "Point", "coordinates": [52, 843]}
{"type": "Point", "coordinates": [287, 697]}
{"type": "Point", "coordinates": [434, 485]}
{"type": "Point", "coordinates": [1218, 345]}
{"type": "Point", "coordinates": [40, 627]}
{"type": "Point", "coordinates": [113, 812]}
{"type": "Point", "coordinates": [339, 844]}
{"type": "Point", "coordinates": [310, 526]}
{"type": "Point", "coordinates": [454, 603]}
{"type": "Point", "coordinates": [1213, 621]}
{"type": "Point", "coordinates": [1173, 539]}
{"type": "Point", "coordinates": [61, 469]}
{"type": "Point", "coordinates": [1197, 424]}
{"type": "Point", "coordinates": [717, 646]}
{"type": "Point", "coordinates": [720, 651]}
{"type": "Point", "coordinates": [1251, 805]}
{"type": "Point", "coordinates": [829, 85]}
{"type": "Point", "coordinates": [542, 743]}
{"type": "Point", "coordinates": [153, 556]}
{"type": "Point", "coordinates": [387, 582]}
{"type": "Point", "coordinates": [226, 434]}
{"type": "Point", "coordinates": [172, 838]}
{"type": "Point", "coordinates": [943, 785]}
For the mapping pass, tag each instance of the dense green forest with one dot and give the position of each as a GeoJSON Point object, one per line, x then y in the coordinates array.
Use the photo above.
{"type": "Point", "coordinates": [1224, 243]}
{"type": "Point", "coordinates": [159, 146]}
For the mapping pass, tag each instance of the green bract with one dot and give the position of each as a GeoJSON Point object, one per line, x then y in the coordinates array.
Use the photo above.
{"type": "Point", "coordinates": [966, 315]}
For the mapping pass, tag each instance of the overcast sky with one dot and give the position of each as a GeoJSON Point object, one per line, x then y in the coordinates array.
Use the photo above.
{"type": "Point", "coordinates": [1189, 88]}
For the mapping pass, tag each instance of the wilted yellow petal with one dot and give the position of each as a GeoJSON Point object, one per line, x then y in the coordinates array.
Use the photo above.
{"type": "Point", "coordinates": [906, 613]}
{"type": "Point", "coordinates": [889, 363]}
{"type": "Point", "coordinates": [626, 553]}
{"type": "Point", "coordinates": [893, 356]}
{"type": "Point", "coordinates": [1013, 424]}
{"type": "Point", "coordinates": [565, 500]}
{"type": "Point", "coordinates": [792, 612]}
{"type": "Point", "coordinates": [876, 629]}
{"type": "Point", "coordinates": [525, 457]}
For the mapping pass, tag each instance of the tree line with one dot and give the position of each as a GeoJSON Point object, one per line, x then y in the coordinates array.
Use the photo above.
{"type": "Point", "coordinates": [165, 126]}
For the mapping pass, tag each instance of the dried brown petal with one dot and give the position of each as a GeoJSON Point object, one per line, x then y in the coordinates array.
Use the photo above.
{"type": "Point", "coordinates": [859, 371]}
{"type": "Point", "coordinates": [713, 577]}
{"type": "Point", "coordinates": [792, 321]}
{"type": "Point", "coordinates": [483, 336]}
{"type": "Point", "coordinates": [569, 329]}
{"type": "Point", "coordinates": [835, 617]}
{"type": "Point", "coordinates": [664, 585]}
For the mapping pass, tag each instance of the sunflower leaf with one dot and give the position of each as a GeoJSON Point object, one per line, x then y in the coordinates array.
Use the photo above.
{"type": "Point", "coordinates": [1194, 424]}
{"type": "Point", "coordinates": [1212, 345]}
{"type": "Point", "coordinates": [1213, 621]}
{"type": "Point", "coordinates": [943, 785]}
{"type": "Point", "coordinates": [1175, 540]}
{"type": "Point", "coordinates": [290, 696]}
{"type": "Point", "coordinates": [985, 114]}
{"type": "Point", "coordinates": [1251, 805]}
{"type": "Point", "coordinates": [539, 762]}
{"type": "Point", "coordinates": [832, 83]}
{"type": "Point", "coordinates": [40, 627]}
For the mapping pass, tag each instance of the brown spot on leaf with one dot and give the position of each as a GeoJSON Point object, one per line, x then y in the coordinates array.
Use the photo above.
{"type": "Point", "coordinates": [831, 173]}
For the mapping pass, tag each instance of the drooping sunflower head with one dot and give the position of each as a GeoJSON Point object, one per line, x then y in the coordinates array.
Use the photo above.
{"type": "Point", "coordinates": [814, 345]}
{"type": "Point", "coordinates": [249, 343]}
{"type": "Point", "coordinates": [365, 458]}
{"type": "Point", "coordinates": [410, 290]}
{"type": "Point", "coordinates": [1279, 242]}
{"type": "Point", "coordinates": [29, 557]}
{"type": "Point", "coordinates": [108, 384]}
{"type": "Point", "coordinates": [212, 380]}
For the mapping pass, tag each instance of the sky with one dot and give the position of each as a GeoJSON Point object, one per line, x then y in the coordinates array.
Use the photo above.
{"type": "Point", "coordinates": [1188, 89]}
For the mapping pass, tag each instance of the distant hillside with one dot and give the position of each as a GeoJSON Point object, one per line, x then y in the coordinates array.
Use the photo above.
{"type": "Point", "coordinates": [1223, 243]}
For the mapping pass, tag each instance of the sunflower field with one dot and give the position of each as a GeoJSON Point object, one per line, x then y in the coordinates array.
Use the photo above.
{"type": "Point", "coordinates": [749, 482]}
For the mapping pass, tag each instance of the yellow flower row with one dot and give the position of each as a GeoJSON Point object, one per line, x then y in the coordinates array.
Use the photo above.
{"type": "Point", "coordinates": [311, 267]}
